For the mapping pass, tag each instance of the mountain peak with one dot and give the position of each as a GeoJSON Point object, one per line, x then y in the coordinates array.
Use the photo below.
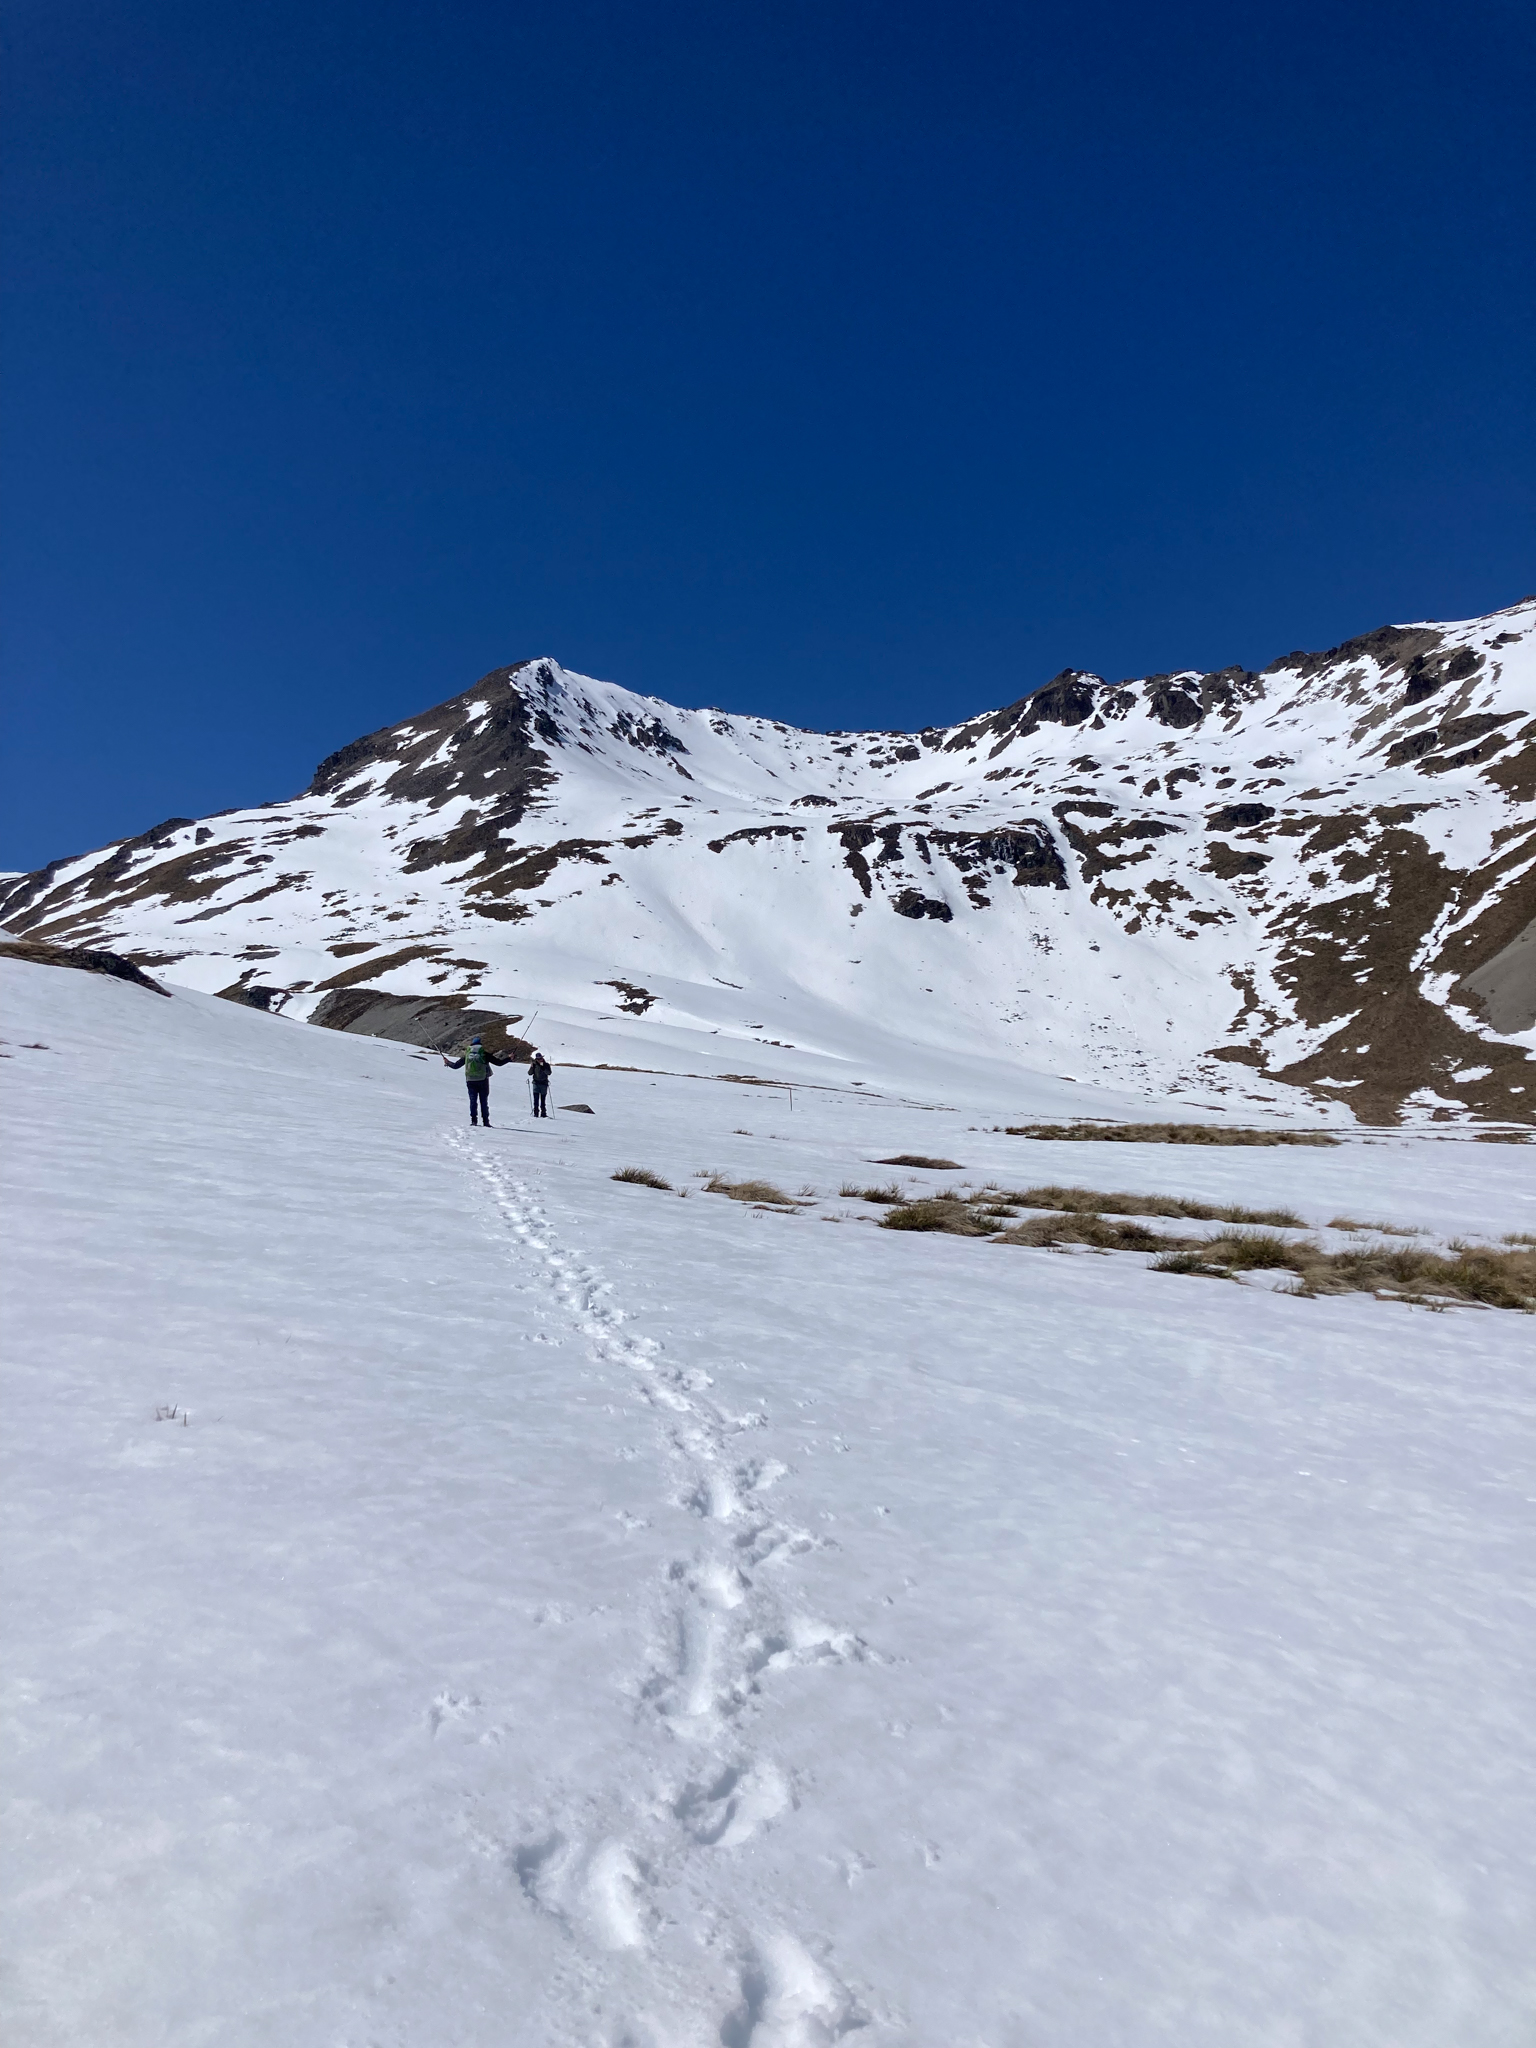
{"type": "Point", "coordinates": [1304, 889]}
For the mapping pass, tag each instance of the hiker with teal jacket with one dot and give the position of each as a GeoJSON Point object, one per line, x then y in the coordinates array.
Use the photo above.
{"type": "Point", "coordinates": [477, 1064]}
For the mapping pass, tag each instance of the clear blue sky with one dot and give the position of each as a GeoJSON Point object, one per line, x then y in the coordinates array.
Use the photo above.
{"type": "Point", "coordinates": [853, 363]}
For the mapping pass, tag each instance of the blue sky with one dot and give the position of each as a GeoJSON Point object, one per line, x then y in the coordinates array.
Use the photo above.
{"type": "Point", "coordinates": [856, 364]}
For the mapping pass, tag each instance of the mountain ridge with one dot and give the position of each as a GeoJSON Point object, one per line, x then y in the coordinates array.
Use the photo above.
{"type": "Point", "coordinates": [1305, 887]}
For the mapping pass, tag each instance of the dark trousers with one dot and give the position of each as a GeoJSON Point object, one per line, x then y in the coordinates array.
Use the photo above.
{"type": "Point", "coordinates": [479, 1100]}
{"type": "Point", "coordinates": [541, 1098]}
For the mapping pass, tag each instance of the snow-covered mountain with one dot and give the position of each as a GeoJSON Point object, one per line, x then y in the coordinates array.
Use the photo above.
{"type": "Point", "coordinates": [1222, 888]}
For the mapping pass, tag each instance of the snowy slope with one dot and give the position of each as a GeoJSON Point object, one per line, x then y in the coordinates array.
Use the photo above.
{"type": "Point", "coordinates": [1308, 892]}
{"type": "Point", "coordinates": [572, 1614]}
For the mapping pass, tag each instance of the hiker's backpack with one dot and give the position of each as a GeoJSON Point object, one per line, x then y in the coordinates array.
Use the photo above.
{"type": "Point", "coordinates": [477, 1064]}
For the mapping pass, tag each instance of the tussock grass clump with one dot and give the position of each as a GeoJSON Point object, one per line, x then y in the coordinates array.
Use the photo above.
{"type": "Point", "coordinates": [1167, 1134]}
{"type": "Point", "coordinates": [641, 1177]}
{"type": "Point", "coordinates": [1122, 1202]}
{"type": "Point", "coordinates": [1255, 1251]}
{"type": "Point", "coordinates": [891, 1194]}
{"type": "Point", "coordinates": [1084, 1216]}
{"type": "Point", "coordinates": [1499, 1279]}
{"type": "Point", "coordinates": [1406, 1272]}
{"type": "Point", "coordinates": [1260, 1251]}
{"type": "Point", "coordinates": [1381, 1229]}
{"type": "Point", "coordinates": [1463, 1272]}
{"type": "Point", "coordinates": [1190, 1261]}
{"type": "Point", "coordinates": [919, 1159]}
{"type": "Point", "coordinates": [1043, 1231]}
{"type": "Point", "coordinates": [940, 1213]}
{"type": "Point", "coordinates": [749, 1191]}
{"type": "Point", "coordinates": [1078, 1218]}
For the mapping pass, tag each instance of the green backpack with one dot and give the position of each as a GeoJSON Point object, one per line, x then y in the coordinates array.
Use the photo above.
{"type": "Point", "coordinates": [477, 1065]}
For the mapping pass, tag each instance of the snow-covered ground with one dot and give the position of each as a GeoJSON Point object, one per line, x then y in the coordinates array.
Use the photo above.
{"type": "Point", "coordinates": [559, 1612]}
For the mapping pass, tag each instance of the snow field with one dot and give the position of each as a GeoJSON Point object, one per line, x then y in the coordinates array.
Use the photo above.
{"type": "Point", "coordinates": [574, 1614]}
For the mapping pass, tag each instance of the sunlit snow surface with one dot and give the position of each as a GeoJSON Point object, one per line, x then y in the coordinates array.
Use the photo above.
{"type": "Point", "coordinates": [576, 1615]}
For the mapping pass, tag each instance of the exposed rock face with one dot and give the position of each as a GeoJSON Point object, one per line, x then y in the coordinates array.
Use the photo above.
{"type": "Point", "coordinates": [1506, 985]}
{"type": "Point", "coordinates": [42, 955]}
{"type": "Point", "coordinates": [1321, 877]}
{"type": "Point", "coordinates": [440, 1023]}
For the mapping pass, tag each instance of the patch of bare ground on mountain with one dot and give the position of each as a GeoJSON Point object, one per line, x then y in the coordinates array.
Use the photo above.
{"type": "Point", "coordinates": [1515, 773]}
{"type": "Point", "coordinates": [1167, 1134]}
{"type": "Point", "coordinates": [1349, 962]}
{"type": "Point", "coordinates": [634, 1001]}
{"type": "Point", "coordinates": [501, 870]}
{"type": "Point", "coordinates": [443, 753]}
{"type": "Point", "coordinates": [189, 877]}
{"type": "Point", "coordinates": [30, 900]}
{"type": "Point", "coordinates": [380, 964]}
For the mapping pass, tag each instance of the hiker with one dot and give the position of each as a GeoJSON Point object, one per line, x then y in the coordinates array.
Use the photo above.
{"type": "Point", "coordinates": [477, 1064]}
{"type": "Point", "coordinates": [538, 1080]}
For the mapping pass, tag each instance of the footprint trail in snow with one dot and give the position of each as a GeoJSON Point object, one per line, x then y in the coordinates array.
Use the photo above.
{"type": "Point", "coordinates": [611, 1864]}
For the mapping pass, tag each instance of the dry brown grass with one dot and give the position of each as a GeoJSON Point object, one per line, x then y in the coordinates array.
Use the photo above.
{"type": "Point", "coordinates": [851, 1191]}
{"type": "Point", "coordinates": [641, 1177]}
{"type": "Point", "coordinates": [1044, 1231]}
{"type": "Point", "coordinates": [1167, 1134]}
{"type": "Point", "coordinates": [939, 1213]}
{"type": "Point", "coordinates": [1076, 1218]}
{"type": "Point", "coordinates": [1406, 1272]}
{"type": "Point", "coordinates": [749, 1191]}
{"type": "Point", "coordinates": [919, 1159]}
{"type": "Point", "coordinates": [1125, 1202]}
{"type": "Point", "coordinates": [1464, 1272]}
{"type": "Point", "coordinates": [1381, 1229]}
